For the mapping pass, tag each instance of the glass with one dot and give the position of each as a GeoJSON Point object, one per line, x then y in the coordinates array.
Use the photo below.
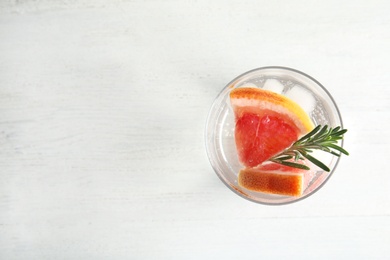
{"type": "Point", "coordinates": [219, 132]}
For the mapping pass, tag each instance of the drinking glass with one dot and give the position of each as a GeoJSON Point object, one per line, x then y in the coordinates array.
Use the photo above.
{"type": "Point", "coordinates": [219, 131]}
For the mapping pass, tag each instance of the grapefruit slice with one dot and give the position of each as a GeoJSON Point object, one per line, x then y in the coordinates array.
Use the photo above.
{"type": "Point", "coordinates": [266, 124]}
{"type": "Point", "coordinates": [275, 179]}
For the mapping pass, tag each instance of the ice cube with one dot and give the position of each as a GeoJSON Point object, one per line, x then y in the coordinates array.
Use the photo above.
{"type": "Point", "coordinates": [303, 97]}
{"type": "Point", "coordinates": [273, 85]}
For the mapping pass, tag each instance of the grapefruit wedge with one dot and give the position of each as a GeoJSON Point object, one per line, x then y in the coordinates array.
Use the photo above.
{"type": "Point", "coordinates": [266, 124]}
{"type": "Point", "coordinates": [275, 179]}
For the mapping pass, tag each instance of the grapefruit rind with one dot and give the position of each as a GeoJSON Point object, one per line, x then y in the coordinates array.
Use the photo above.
{"type": "Point", "coordinates": [283, 181]}
{"type": "Point", "coordinates": [245, 99]}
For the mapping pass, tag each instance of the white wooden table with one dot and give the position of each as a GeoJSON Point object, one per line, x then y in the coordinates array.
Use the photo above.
{"type": "Point", "coordinates": [102, 111]}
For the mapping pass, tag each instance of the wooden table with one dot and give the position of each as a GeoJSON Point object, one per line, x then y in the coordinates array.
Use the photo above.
{"type": "Point", "coordinates": [103, 106]}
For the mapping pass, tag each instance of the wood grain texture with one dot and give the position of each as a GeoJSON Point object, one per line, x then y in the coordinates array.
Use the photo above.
{"type": "Point", "coordinates": [102, 111]}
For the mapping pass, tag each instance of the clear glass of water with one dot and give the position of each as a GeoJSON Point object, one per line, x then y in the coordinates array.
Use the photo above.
{"type": "Point", "coordinates": [219, 132]}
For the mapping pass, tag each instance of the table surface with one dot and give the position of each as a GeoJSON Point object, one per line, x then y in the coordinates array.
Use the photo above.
{"type": "Point", "coordinates": [103, 106]}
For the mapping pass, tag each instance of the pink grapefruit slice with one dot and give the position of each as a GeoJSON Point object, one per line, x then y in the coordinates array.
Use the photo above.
{"type": "Point", "coordinates": [275, 179]}
{"type": "Point", "coordinates": [266, 124]}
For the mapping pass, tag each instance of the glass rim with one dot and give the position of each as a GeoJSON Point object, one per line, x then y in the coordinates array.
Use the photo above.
{"type": "Point", "coordinates": [208, 148]}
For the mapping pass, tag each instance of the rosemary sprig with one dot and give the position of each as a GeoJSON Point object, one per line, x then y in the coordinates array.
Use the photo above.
{"type": "Point", "coordinates": [322, 138]}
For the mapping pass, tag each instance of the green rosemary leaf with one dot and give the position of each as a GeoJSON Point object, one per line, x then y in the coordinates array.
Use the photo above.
{"type": "Point", "coordinates": [317, 162]}
{"type": "Point", "coordinates": [310, 134]}
{"type": "Point", "coordinates": [286, 157]}
{"type": "Point", "coordinates": [338, 148]}
{"type": "Point", "coordinates": [292, 164]}
{"type": "Point", "coordinates": [308, 150]}
{"type": "Point", "coordinates": [321, 133]}
{"type": "Point", "coordinates": [341, 132]}
{"type": "Point", "coordinates": [322, 138]}
{"type": "Point", "coordinates": [337, 137]}
{"type": "Point", "coordinates": [337, 128]}
{"type": "Point", "coordinates": [298, 155]}
{"type": "Point", "coordinates": [334, 153]}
